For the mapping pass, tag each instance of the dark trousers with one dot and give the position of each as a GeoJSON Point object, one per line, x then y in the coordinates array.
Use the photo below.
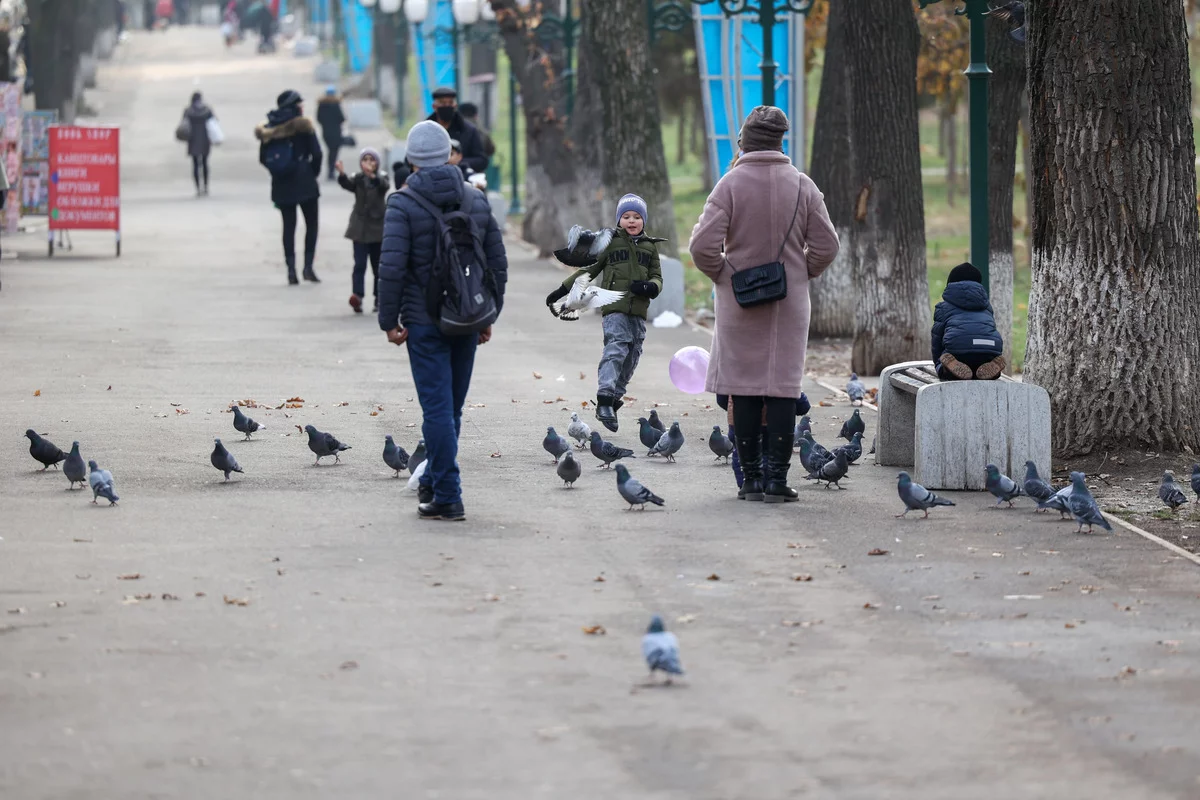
{"type": "Point", "coordinates": [331, 162]}
{"type": "Point", "coordinates": [200, 169]}
{"type": "Point", "coordinates": [748, 413]}
{"type": "Point", "coordinates": [972, 360]}
{"type": "Point", "coordinates": [309, 209]}
{"type": "Point", "coordinates": [362, 252]}
{"type": "Point", "coordinates": [441, 369]}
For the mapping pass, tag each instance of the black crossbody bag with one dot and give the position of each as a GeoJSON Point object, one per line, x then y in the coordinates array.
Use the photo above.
{"type": "Point", "coordinates": [766, 283]}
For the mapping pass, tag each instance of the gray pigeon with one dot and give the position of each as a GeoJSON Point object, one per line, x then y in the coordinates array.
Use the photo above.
{"type": "Point", "coordinates": [833, 471]}
{"type": "Point", "coordinates": [634, 493]}
{"type": "Point", "coordinates": [223, 460]}
{"type": "Point", "coordinates": [1036, 488]}
{"type": "Point", "coordinates": [418, 456]}
{"type": "Point", "coordinates": [243, 424]}
{"type": "Point", "coordinates": [810, 459]}
{"type": "Point", "coordinates": [579, 430]}
{"type": "Point", "coordinates": [853, 425]}
{"type": "Point", "coordinates": [607, 451]}
{"type": "Point", "coordinates": [74, 468]}
{"type": "Point", "coordinates": [1168, 491]}
{"type": "Point", "coordinates": [853, 450]}
{"type": "Point", "coordinates": [569, 469]}
{"type": "Point", "coordinates": [719, 443]}
{"type": "Point", "coordinates": [101, 481]}
{"type": "Point", "coordinates": [1002, 486]}
{"type": "Point", "coordinates": [669, 443]}
{"type": "Point", "coordinates": [647, 433]}
{"type": "Point", "coordinates": [916, 497]}
{"type": "Point", "coordinates": [1196, 481]}
{"type": "Point", "coordinates": [660, 648]}
{"type": "Point", "coordinates": [554, 444]}
{"type": "Point", "coordinates": [805, 424]}
{"type": "Point", "coordinates": [324, 444]}
{"type": "Point", "coordinates": [44, 450]}
{"type": "Point", "coordinates": [395, 457]}
{"type": "Point", "coordinates": [655, 422]}
{"type": "Point", "coordinates": [1083, 506]}
{"type": "Point", "coordinates": [855, 388]}
{"type": "Point", "coordinates": [1058, 502]}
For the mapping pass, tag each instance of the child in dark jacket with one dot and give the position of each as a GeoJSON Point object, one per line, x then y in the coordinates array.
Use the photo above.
{"type": "Point", "coordinates": [370, 188]}
{"type": "Point", "coordinates": [966, 345]}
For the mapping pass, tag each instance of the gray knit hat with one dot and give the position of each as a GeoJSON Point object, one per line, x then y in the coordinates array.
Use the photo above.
{"type": "Point", "coordinates": [631, 202]}
{"type": "Point", "coordinates": [428, 144]}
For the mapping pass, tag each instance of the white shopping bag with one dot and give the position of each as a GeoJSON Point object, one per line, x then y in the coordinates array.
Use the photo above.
{"type": "Point", "coordinates": [226, 30]}
{"type": "Point", "coordinates": [215, 134]}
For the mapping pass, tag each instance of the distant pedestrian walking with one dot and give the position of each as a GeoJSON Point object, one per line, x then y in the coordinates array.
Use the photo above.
{"type": "Point", "coordinates": [291, 152]}
{"type": "Point", "coordinates": [331, 119]}
{"type": "Point", "coordinates": [199, 143]}
{"type": "Point", "coordinates": [370, 188]}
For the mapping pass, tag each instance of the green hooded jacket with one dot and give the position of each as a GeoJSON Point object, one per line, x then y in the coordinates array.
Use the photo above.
{"type": "Point", "coordinates": [627, 259]}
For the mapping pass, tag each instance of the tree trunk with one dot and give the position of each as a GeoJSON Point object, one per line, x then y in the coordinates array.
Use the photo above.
{"type": "Point", "coordinates": [1113, 334]}
{"type": "Point", "coordinates": [54, 53]}
{"type": "Point", "coordinates": [949, 123]}
{"type": "Point", "coordinates": [618, 46]}
{"type": "Point", "coordinates": [1007, 61]}
{"type": "Point", "coordinates": [832, 295]}
{"type": "Point", "coordinates": [892, 315]}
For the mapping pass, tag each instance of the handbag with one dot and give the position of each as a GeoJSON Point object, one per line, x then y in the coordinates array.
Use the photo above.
{"type": "Point", "coordinates": [765, 283]}
{"type": "Point", "coordinates": [183, 131]}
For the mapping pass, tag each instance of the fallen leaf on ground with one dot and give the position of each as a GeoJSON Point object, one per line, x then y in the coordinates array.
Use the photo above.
{"type": "Point", "coordinates": [280, 571]}
{"type": "Point", "coordinates": [82, 541]}
{"type": "Point", "coordinates": [1088, 589]}
{"type": "Point", "coordinates": [537, 376]}
{"type": "Point", "coordinates": [176, 405]}
{"type": "Point", "coordinates": [595, 630]}
{"type": "Point", "coordinates": [295, 400]}
{"type": "Point", "coordinates": [802, 577]}
{"type": "Point", "coordinates": [598, 579]}
{"type": "Point", "coordinates": [871, 606]}
{"type": "Point", "coordinates": [109, 389]}
{"type": "Point", "coordinates": [348, 665]}
{"type": "Point", "coordinates": [58, 604]}
{"type": "Point", "coordinates": [548, 402]}
{"type": "Point", "coordinates": [144, 596]}
{"type": "Point", "coordinates": [877, 552]}
{"type": "Point", "coordinates": [129, 600]}
{"type": "Point", "coordinates": [169, 596]}
{"type": "Point", "coordinates": [182, 411]}
{"type": "Point", "coordinates": [343, 403]}
{"type": "Point", "coordinates": [932, 597]}
{"type": "Point", "coordinates": [713, 577]}
{"type": "Point", "coordinates": [491, 598]}
{"type": "Point", "coordinates": [411, 425]}
{"type": "Point", "coordinates": [1069, 625]}
{"type": "Point", "coordinates": [374, 413]}
{"type": "Point", "coordinates": [37, 393]}
{"type": "Point", "coordinates": [17, 610]}
{"type": "Point", "coordinates": [201, 594]}
{"type": "Point", "coordinates": [560, 399]}
{"type": "Point", "coordinates": [236, 601]}
{"type": "Point", "coordinates": [582, 376]}
{"type": "Point", "coordinates": [478, 405]}
{"type": "Point", "coordinates": [130, 576]}
{"type": "Point", "coordinates": [496, 455]}
{"type": "Point", "coordinates": [825, 404]}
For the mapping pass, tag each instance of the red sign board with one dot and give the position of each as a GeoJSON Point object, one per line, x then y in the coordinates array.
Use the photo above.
{"type": "Point", "coordinates": [85, 178]}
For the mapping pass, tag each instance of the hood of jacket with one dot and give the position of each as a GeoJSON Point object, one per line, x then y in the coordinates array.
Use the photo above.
{"type": "Point", "coordinates": [327, 99]}
{"type": "Point", "coordinates": [197, 112]}
{"type": "Point", "coordinates": [967, 295]}
{"type": "Point", "coordinates": [296, 126]}
{"type": "Point", "coordinates": [443, 186]}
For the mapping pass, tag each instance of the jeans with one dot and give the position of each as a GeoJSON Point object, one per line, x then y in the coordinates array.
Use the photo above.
{"type": "Point", "coordinates": [441, 369]}
{"type": "Point", "coordinates": [200, 168]}
{"type": "Point", "coordinates": [363, 251]}
{"type": "Point", "coordinates": [309, 209]}
{"type": "Point", "coordinates": [623, 338]}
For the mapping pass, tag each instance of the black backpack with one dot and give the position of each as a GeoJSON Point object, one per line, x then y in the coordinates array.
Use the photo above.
{"type": "Point", "coordinates": [461, 295]}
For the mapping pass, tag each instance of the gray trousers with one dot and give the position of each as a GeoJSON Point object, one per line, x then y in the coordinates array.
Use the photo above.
{"type": "Point", "coordinates": [623, 337]}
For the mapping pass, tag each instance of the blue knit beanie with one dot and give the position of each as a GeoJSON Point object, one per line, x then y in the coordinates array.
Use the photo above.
{"type": "Point", "coordinates": [631, 202]}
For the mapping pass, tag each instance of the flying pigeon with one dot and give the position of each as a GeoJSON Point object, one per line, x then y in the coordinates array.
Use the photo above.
{"type": "Point", "coordinates": [584, 294]}
{"type": "Point", "coordinates": [669, 443]}
{"type": "Point", "coordinates": [1168, 491]}
{"type": "Point", "coordinates": [833, 471]}
{"type": "Point", "coordinates": [856, 390]}
{"type": "Point", "coordinates": [584, 246]}
{"type": "Point", "coordinates": [1196, 481]}
{"type": "Point", "coordinates": [418, 457]}
{"type": "Point", "coordinates": [223, 460]}
{"type": "Point", "coordinates": [395, 457]}
{"type": "Point", "coordinates": [44, 450]}
{"type": "Point", "coordinates": [633, 492]}
{"type": "Point", "coordinates": [916, 497]}
{"type": "Point", "coordinates": [655, 422]}
{"type": "Point", "coordinates": [324, 444]}
{"type": "Point", "coordinates": [607, 451]}
{"type": "Point", "coordinates": [647, 433]}
{"type": "Point", "coordinates": [579, 430]}
{"type": "Point", "coordinates": [719, 443]}
{"type": "Point", "coordinates": [1036, 488]}
{"type": "Point", "coordinates": [569, 469]}
{"type": "Point", "coordinates": [853, 450]}
{"type": "Point", "coordinates": [853, 425]}
{"type": "Point", "coordinates": [74, 468]}
{"type": "Point", "coordinates": [1013, 15]}
{"type": "Point", "coordinates": [243, 424]}
{"type": "Point", "coordinates": [1083, 506]}
{"type": "Point", "coordinates": [661, 649]}
{"type": "Point", "coordinates": [554, 444]}
{"type": "Point", "coordinates": [101, 481]}
{"type": "Point", "coordinates": [1001, 486]}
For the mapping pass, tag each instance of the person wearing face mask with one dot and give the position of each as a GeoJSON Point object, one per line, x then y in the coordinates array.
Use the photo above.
{"type": "Point", "coordinates": [446, 114]}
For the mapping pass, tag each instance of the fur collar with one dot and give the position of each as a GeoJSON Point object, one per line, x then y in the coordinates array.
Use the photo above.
{"type": "Point", "coordinates": [329, 98]}
{"type": "Point", "coordinates": [293, 127]}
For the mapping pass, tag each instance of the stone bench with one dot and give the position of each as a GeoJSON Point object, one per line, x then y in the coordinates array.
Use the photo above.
{"type": "Point", "coordinates": [949, 431]}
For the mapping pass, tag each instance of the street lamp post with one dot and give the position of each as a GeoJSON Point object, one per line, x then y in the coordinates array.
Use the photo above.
{"type": "Point", "coordinates": [563, 29]}
{"type": "Point", "coordinates": [392, 7]}
{"type": "Point", "coordinates": [977, 73]}
{"type": "Point", "coordinates": [769, 12]}
{"type": "Point", "coordinates": [373, 7]}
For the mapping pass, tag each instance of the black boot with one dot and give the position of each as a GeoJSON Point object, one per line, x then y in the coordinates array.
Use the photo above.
{"type": "Point", "coordinates": [605, 412]}
{"type": "Point", "coordinates": [779, 456]}
{"type": "Point", "coordinates": [309, 275]}
{"type": "Point", "coordinates": [750, 454]}
{"type": "Point", "coordinates": [291, 267]}
{"type": "Point", "coordinates": [617, 403]}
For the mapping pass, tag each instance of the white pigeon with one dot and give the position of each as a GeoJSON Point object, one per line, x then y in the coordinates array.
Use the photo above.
{"type": "Point", "coordinates": [579, 431]}
{"type": "Point", "coordinates": [584, 295]}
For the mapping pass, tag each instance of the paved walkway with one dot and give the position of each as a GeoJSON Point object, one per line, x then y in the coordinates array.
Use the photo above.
{"type": "Point", "coordinates": [361, 654]}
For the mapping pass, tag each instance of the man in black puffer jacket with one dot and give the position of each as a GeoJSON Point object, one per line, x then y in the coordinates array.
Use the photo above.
{"type": "Point", "coordinates": [966, 345]}
{"type": "Point", "coordinates": [441, 365]}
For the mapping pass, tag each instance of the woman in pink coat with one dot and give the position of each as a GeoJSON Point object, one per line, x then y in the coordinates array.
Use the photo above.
{"type": "Point", "coordinates": [764, 210]}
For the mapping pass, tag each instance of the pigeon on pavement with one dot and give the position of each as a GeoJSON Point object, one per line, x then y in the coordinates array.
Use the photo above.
{"type": "Point", "coordinates": [1083, 506]}
{"type": "Point", "coordinates": [324, 444]}
{"type": "Point", "coordinates": [1058, 502]}
{"type": "Point", "coordinates": [74, 468]}
{"type": "Point", "coordinates": [44, 450]}
{"type": "Point", "coordinates": [660, 648]}
{"type": "Point", "coordinates": [395, 457]}
{"type": "Point", "coordinates": [1196, 481]}
{"type": "Point", "coordinates": [719, 443]}
{"type": "Point", "coordinates": [607, 451]}
{"type": "Point", "coordinates": [418, 457]}
{"type": "Point", "coordinates": [1036, 488]}
{"type": "Point", "coordinates": [916, 497]}
{"type": "Point", "coordinates": [647, 433]}
{"type": "Point", "coordinates": [223, 460]}
{"type": "Point", "coordinates": [853, 450]}
{"type": "Point", "coordinates": [569, 469]}
{"type": "Point", "coordinates": [101, 481]}
{"type": "Point", "coordinates": [243, 424]}
{"type": "Point", "coordinates": [810, 459]}
{"type": "Point", "coordinates": [634, 493]}
{"type": "Point", "coordinates": [669, 443]}
{"type": "Point", "coordinates": [554, 444]}
{"type": "Point", "coordinates": [856, 390]}
{"type": "Point", "coordinates": [655, 422]}
{"type": "Point", "coordinates": [579, 430]}
{"type": "Point", "coordinates": [1002, 486]}
{"type": "Point", "coordinates": [833, 471]}
{"type": "Point", "coordinates": [853, 425]}
{"type": "Point", "coordinates": [1168, 491]}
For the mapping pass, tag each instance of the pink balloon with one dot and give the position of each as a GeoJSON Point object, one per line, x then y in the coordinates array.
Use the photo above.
{"type": "Point", "coordinates": [688, 370]}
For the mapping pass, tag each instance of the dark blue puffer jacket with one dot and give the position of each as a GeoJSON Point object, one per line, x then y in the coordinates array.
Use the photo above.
{"type": "Point", "coordinates": [408, 240]}
{"type": "Point", "coordinates": [963, 322]}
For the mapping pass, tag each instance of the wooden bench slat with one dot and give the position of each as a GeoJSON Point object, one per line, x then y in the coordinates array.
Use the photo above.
{"type": "Point", "coordinates": [904, 383]}
{"type": "Point", "coordinates": [929, 370]}
{"type": "Point", "coordinates": [923, 376]}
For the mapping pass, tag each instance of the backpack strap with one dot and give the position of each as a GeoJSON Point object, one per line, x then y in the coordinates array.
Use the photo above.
{"type": "Point", "coordinates": [433, 210]}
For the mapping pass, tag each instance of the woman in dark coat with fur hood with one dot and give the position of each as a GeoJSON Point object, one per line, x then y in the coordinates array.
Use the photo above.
{"type": "Point", "coordinates": [199, 146]}
{"type": "Point", "coordinates": [291, 152]}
